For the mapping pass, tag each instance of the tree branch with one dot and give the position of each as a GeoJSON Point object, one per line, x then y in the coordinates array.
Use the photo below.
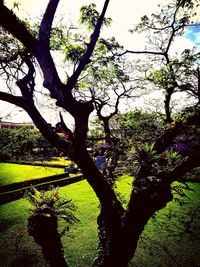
{"type": "Point", "coordinates": [45, 128]}
{"type": "Point", "coordinates": [187, 165]}
{"type": "Point", "coordinates": [27, 83]}
{"type": "Point", "coordinates": [17, 28]}
{"type": "Point", "coordinates": [174, 30]}
{"type": "Point", "coordinates": [140, 52]}
{"type": "Point", "coordinates": [46, 24]}
{"type": "Point", "coordinates": [86, 57]}
{"type": "Point", "coordinates": [16, 100]}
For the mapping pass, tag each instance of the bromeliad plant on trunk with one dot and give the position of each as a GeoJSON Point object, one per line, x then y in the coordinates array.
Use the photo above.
{"type": "Point", "coordinates": [47, 207]}
{"type": "Point", "coordinates": [94, 64]}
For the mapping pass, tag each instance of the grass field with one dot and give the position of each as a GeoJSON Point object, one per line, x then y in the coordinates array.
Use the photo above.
{"type": "Point", "coordinates": [169, 239]}
{"type": "Point", "coordinates": [13, 173]}
{"type": "Point", "coordinates": [80, 242]}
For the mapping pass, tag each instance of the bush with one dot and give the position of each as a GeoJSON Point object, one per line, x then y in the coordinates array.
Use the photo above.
{"type": "Point", "coordinates": [24, 144]}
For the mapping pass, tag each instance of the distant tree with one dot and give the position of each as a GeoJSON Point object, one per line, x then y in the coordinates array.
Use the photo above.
{"type": "Point", "coordinates": [170, 71]}
{"type": "Point", "coordinates": [142, 126]}
{"type": "Point", "coordinates": [134, 129]}
{"type": "Point", "coordinates": [188, 73]}
{"type": "Point", "coordinates": [119, 228]}
{"type": "Point", "coordinates": [23, 144]}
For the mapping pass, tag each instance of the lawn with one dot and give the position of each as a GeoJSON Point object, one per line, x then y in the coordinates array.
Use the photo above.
{"type": "Point", "coordinates": [13, 173]}
{"type": "Point", "coordinates": [81, 238]}
{"type": "Point", "coordinates": [169, 239]}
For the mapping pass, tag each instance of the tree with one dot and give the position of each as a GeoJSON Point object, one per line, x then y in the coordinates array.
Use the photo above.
{"type": "Point", "coordinates": [119, 228]}
{"type": "Point", "coordinates": [188, 71]}
{"type": "Point", "coordinates": [142, 126]}
{"type": "Point", "coordinates": [23, 144]}
{"type": "Point", "coordinates": [171, 72]}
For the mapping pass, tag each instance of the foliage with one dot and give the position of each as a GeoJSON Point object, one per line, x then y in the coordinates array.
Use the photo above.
{"type": "Point", "coordinates": [142, 126]}
{"type": "Point", "coordinates": [89, 16]}
{"type": "Point", "coordinates": [136, 130]}
{"type": "Point", "coordinates": [170, 72]}
{"type": "Point", "coordinates": [183, 72]}
{"type": "Point", "coordinates": [143, 130]}
{"type": "Point", "coordinates": [24, 144]}
{"type": "Point", "coordinates": [180, 192]}
{"type": "Point", "coordinates": [162, 77]}
{"type": "Point", "coordinates": [50, 203]}
{"type": "Point", "coordinates": [149, 148]}
{"type": "Point", "coordinates": [190, 114]}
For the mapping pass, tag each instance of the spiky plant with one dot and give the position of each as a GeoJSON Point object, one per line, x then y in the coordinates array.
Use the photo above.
{"type": "Point", "coordinates": [47, 207]}
{"type": "Point", "coordinates": [50, 203]}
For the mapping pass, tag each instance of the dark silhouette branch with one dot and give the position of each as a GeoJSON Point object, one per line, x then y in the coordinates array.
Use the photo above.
{"type": "Point", "coordinates": [174, 29]}
{"type": "Point", "coordinates": [27, 83]}
{"type": "Point", "coordinates": [86, 57]}
{"type": "Point", "coordinates": [140, 52]}
{"type": "Point", "coordinates": [17, 28]}
{"type": "Point", "coordinates": [16, 100]}
{"type": "Point", "coordinates": [187, 165]}
{"type": "Point", "coordinates": [46, 24]}
{"type": "Point", "coordinates": [46, 129]}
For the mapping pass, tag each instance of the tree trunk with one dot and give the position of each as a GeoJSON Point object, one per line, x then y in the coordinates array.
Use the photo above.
{"type": "Point", "coordinates": [119, 231]}
{"type": "Point", "coordinates": [167, 105]}
{"type": "Point", "coordinates": [43, 228]}
{"type": "Point", "coordinates": [110, 238]}
{"type": "Point", "coordinates": [118, 235]}
{"type": "Point", "coordinates": [101, 187]}
{"type": "Point", "coordinates": [198, 85]}
{"type": "Point", "coordinates": [111, 215]}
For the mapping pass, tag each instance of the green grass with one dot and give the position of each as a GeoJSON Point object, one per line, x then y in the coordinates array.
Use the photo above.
{"type": "Point", "coordinates": [80, 242]}
{"type": "Point", "coordinates": [171, 238]}
{"type": "Point", "coordinates": [12, 173]}
{"type": "Point", "coordinates": [163, 243]}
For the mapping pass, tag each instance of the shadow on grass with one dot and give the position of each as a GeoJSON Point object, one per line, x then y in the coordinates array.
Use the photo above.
{"type": "Point", "coordinates": [5, 223]}
{"type": "Point", "coordinates": [26, 260]}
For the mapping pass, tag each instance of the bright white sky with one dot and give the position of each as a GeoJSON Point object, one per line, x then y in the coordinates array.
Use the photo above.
{"type": "Point", "coordinates": [124, 14]}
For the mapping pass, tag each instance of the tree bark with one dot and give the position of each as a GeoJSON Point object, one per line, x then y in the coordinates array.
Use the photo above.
{"type": "Point", "coordinates": [198, 85]}
{"type": "Point", "coordinates": [103, 190]}
{"type": "Point", "coordinates": [44, 231]}
{"type": "Point", "coordinates": [119, 232]}
{"type": "Point", "coordinates": [168, 95]}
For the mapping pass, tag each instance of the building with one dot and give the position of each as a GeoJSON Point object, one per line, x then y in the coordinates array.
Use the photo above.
{"type": "Point", "coordinates": [14, 125]}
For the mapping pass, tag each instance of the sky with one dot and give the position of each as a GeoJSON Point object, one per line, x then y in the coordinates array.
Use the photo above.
{"type": "Point", "coordinates": [193, 34]}
{"type": "Point", "coordinates": [125, 14]}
